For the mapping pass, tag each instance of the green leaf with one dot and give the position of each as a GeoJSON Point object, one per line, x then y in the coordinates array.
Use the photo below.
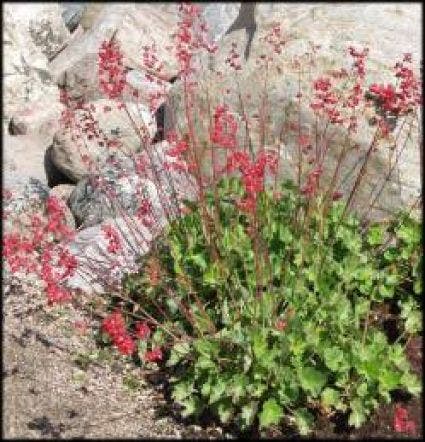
{"type": "Point", "coordinates": [357, 416]}
{"type": "Point", "coordinates": [141, 349]}
{"type": "Point", "coordinates": [248, 413]}
{"type": "Point", "coordinates": [259, 345]}
{"type": "Point", "coordinates": [218, 391]}
{"type": "Point", "coordinates": [205, 363]}
{"type": "Point", "coordinates": [238, 388]}
{"type": "Point", "coordinates": [398, 357]}
{"type": "Point", "coordinates": [271, 413]}
{"type": "Point", "coordinates": [417, 286]}
{"type": "Point", "coordinates": [412, 383]}
{"type": "Point", "coordinates": [158, 337]}
{"type": "Point", "coordinates": [207, 347]}
{"type": "Point", "coordinates": [206, 388]}
{"type": "Point", "coordinates": [182, 390]}
{"type": "Point", "coordinates": [333, 358]}
{"type": "Point", "coordinates": [414, 322]}
{"type": "Point", "coordinates": [192, 405]}
{"type": "Point", "coordinates": [409, 234]}
{"type": "Point", "coordinates": [330, 397]}
{"type": "Point", "coordinates": [312, 380]}
{"type": "Point", "coordinates": [172, 306]}
{"type": "Point", "coordinates": [389, 379]}
{"type": "Point", "coordinates": [198, 260]}
{"type": "Point", "coordinates": [304, 421]}
{"type": "Point", "coordinates": [362, 389]}
{"type": "Point", "coordinates": [391, 254]}
{"type": "Point", "coordinates": [247, 362]}
{"type": "Point", "coordinates": [385, 291]}
{"type": "Point", "coordinates": [285, 234]}
{"type": "Point", "coordinates": [202, 323]}
{"type": "Point", "coordinates": [375, 235]}
{"type": "Point", "coordinates": [225, 411]}
{"type": "Point", "coordinates": [411, 313]}
{"type": "Point", "coordinates": [257, 389]}
{"type": "Point", "coordinates": [177, 353]}
{"type": "Point", "coordinates": [225, 315]}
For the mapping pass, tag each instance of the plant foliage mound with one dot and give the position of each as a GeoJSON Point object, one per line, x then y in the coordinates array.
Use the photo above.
{"type": "Point", "coordinates": [287, 333]}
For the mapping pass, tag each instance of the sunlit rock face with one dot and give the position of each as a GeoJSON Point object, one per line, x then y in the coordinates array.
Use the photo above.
{"type": "Point", "coordinates": [32, 33]}
{"type": "Point", "coordinates": [388, 30]}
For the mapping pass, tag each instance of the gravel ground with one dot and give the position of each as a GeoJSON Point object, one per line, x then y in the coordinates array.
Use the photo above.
{"type": "Point", "coordinates": [52, 390]}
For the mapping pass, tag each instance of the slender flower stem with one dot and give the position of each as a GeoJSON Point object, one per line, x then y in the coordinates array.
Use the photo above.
{"type": "Point", "coordinates": [360, 174]}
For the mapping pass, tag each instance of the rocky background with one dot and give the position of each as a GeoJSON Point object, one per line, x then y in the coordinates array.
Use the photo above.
{"type": "Point", "coordinates": [49, 45]}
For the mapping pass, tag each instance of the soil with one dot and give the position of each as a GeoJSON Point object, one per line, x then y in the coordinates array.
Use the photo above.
{"type": "Point", "coordinates": [54, 387]}
{"type": "Point", "coordinates": [57, 386]}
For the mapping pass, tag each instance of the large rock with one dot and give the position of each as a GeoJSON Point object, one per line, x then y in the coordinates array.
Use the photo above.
{"type": "Point", "coordinates": [24, 199]}
{"type": "Point", "coordinates": [40, 117]}
{"type": "Point", "coordinates": [23, 158]}
{"type": "Point", "coordinates": [100, 270]}
{"type": "Point", "coordinates": [334, 28]}
{"type": "Point", "coordinates": [62, 191]}
{"type": "Point", "coordinates": [72, 14]}
{"type": "Point", "coordinates": [219, 16]}
{"type": "Point", "coordinates": [32, 33]}
{"type": "Point", "coordinates": [67, 152]}
{"type": "Point", "coordinates": [90, 203]}
{"type": "Point", "coordinates": [121, 187]}
{"type": "Point", "coordinates": [133, 26]}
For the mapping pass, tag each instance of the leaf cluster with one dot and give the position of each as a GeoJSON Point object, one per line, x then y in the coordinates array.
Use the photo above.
{"type": "Point", "coordinates": [292, 331]}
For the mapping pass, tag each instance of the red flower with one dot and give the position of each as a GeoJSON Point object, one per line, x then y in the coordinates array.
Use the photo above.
{"type": "Point", "coordinates": [247, 205]}
{"type": "Point", "coordinates": [110, 233]}
{"type": "Point", "coordinates": [125, 344]}
{"type": "Point", "coordinates": [310, 188]}
{"type": "Point", "coordinates": [114, 325]}
{"type": "Point", "coordinates": [224, 129]}
{"type": "Point", "coordinates": [111, 70]}
{"type": "Point", "coordinates": [142, 330]}
{"type": "Point", "coordinates": [281, 325]}
{"type": "Point", "coordinates": [154, 356]}
{"type": "Point", "coordinates": [322, 84]}
{"type": "Point", "coordinates": [57, 294]}
{"type": "Point", "coordinates": [401, 422]}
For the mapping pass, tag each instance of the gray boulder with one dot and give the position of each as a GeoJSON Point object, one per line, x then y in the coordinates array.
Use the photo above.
{"type": "Point", "coordinates": [71, 14]}
{"type": "Point", "coordinates": [99, 270]}
{"type": "Point", "coordinates": [120, 188]}
{"type": "Point", "coordinates": [24, 199]}
{"type": "Point", "coordinates": [69, 153]}
{"type": "Point", "coordinates": [334, 28]}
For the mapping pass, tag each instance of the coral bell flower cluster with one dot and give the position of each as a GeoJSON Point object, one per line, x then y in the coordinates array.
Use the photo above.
{"type": "Point", "coordinates": [145, 213]}
{"type": "Point", "coordinates": [114, 326]}
{"type": "Point", "coordinates": [38, 252]}
{"type": "Point", "coordinates": [253, 174]}
{"type": "Point", "coordinates": [192, 35]}
{"type": "Point", "coordinates": [155, 355]}
{"type": "Point", "coordinates": [325, 100]}
{"type": "Point", "coordinates": [233, 60]}
{"type": "Point", "coordinates": [178, 148]}
{"type": "Point", "coordinates": [111, 234]}
{"type": "Point", "coordinates": [111, 70]}
{"type": "Point", "coordinates": [275, 39]}
{"type": "Point", "coordinates": [142, 330]}
{"type": "Point", "coordinates": [359, 60]}
{"type": "Point", "coordinates": [310, 187]}
{"type": "Point", "coordinates": [402, 424]}
{"type": "Point", "coordinates": [402, 99]}
{"type": "Point", "coordinates": [224, 129]}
